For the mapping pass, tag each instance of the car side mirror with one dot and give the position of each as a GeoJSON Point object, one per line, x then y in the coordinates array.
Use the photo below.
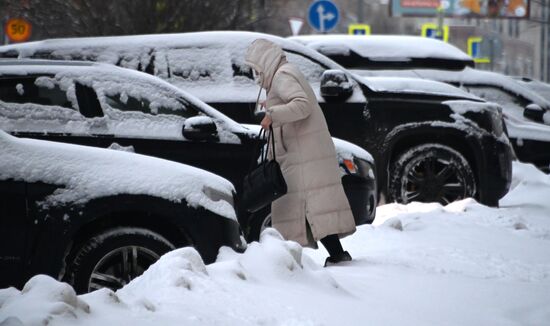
{"type": "Point", "coordinates": [335, 85]}
{"type": "Point", "coordinates": [200, 128]}
{"type": "Point", "coordinates": [534, 112]}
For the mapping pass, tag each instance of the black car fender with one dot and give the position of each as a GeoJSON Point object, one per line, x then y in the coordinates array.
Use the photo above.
{"type": "Point", "coordinates": [65, 228]}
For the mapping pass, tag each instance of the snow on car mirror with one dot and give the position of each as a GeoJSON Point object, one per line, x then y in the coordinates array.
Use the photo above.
{"type": "Point", "coordinates": [200, 128]}
{"type": "Point", "coordinates": [534, 112]}
{"type": "Point", "coordinates": [335, 84]}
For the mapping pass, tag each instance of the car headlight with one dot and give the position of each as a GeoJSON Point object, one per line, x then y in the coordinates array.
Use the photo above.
{"type": "Point", "coordinates": [217, 195]}
{"type": "Point", "coordinates": [357, 167]}
{"type": "Point", "coordinates": [366, 169]}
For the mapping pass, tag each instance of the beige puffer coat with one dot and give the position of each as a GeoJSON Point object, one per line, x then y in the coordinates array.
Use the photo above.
{"type": "Point", "coordinates": [315, 205]}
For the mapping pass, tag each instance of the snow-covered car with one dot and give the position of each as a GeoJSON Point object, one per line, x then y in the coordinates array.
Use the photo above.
{"type": "Point", "coordinates": [425, 147]}
{"type": "Point", "coordinates": [102, 105]}
{"type": "Point", "coordinates": [98, 218]}
{"type": "Point", "coordinates": [537, 86]}
{"type": "Point", "coordinates": [525, 103]}
{"type": "Point", "coordinates": [383, 51]}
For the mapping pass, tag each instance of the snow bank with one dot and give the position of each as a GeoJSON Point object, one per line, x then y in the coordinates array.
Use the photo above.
{"type": "Point", "coordinates": [530, 189]}
{"type": "Point", "coordinates": [112, 173]}
{"type": "Point", "coordinates": [179, 289]}
{"type": "Point", "coordinates": [42, 300]}
{"type": "Point", "coordinates": [418, 264]}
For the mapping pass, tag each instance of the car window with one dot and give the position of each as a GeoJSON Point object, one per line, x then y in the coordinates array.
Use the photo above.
{"type": "Point", "coordinates": [512, 104]}
{"type": "Point", "coordinates": [151, 106]}
{"type": "Point", "coordinates": [119, 93]}
{"type": "Point", "coordinates": [41, 90]}
{"type": "Point", "coordinates": [39, 104]}
{"type": "Point", "coordinates": [198, 65]}
{"type": "Point", "coordinates": [311, 70]}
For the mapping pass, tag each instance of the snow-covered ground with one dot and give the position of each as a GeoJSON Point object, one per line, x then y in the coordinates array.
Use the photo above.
{"type": "Point", "coordinates": [419, 264]}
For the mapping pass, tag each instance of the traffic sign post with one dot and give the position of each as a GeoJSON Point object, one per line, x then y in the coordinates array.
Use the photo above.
{"type": "Point", "coordinates": [359, 29]}
{"type": "Point", "coordinates": [323, 15]}
{"type": "Point", "coordinates": [434, 31]}
{"type": "Point", "coordinates": [18, 30]}
{"type": "Point", "coordinates": [474, 50]}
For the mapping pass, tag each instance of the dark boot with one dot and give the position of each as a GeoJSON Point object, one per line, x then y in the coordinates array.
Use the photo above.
{"type": "Point", "coordinates": [333, 260]}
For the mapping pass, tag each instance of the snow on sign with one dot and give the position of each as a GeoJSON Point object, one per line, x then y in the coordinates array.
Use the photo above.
{"type": "Point", "coordinates": [323, 15]}
{"type": "Point", "coordinates": [18, 30]}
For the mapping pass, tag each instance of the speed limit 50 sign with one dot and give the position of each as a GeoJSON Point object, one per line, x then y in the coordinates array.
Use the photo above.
{"type": "Point", "coordinates": [18, 30]}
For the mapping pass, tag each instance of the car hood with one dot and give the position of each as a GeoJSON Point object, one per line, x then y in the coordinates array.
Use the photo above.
{"type": "Point", "coordinates": [466, 76]}
{"type": "Point", "coordinates": [414, 86]}
{"type": "Point", "coordinates": [85, 173]}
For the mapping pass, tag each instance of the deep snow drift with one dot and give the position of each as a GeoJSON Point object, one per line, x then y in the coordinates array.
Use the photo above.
{"type": "Point", "coordinates": [418, 264]}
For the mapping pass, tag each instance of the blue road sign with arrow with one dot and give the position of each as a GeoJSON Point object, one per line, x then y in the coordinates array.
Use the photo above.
{"type": "Point", "coordinates": [323, 15]}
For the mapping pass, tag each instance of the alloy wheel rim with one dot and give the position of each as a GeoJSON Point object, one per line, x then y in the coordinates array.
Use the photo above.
{"type": "Point", "coordinates": [433, 179]}
{"type": "Point", "coordinates": [120, 266]}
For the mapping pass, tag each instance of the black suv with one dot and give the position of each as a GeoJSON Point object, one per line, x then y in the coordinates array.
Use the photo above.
{"type": "Point", "coordinates": [98, 218]}
{"type": "Point", "coordinates": [428, 146]}
{"type": "Point", "coordinates": [102, 105]}
{"type": "Point", "coordinates": [525, 103]}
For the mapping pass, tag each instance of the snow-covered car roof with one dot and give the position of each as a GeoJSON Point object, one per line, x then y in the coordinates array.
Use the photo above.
{"type": "Point", "coordinates": [137, 52]}
{"type": "Point", "coordinates": [225, 42]}
{"type": "Point", "coordinates": [85, 173]}
{"type": "Point", "coordinates": [384, 47]}
{"type": "Point", "coordinates": [416, 86]}
{"type": "Point", "coordinates": [232, 41]}
{"type": "Point", "coordinates": [87, 71]}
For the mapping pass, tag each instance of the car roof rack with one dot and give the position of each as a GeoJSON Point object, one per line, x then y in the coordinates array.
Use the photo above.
{"type": "Point", "coordinates": [43, 62]}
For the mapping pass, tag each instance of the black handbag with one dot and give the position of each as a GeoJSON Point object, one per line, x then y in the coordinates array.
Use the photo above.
{"type": "Point", "coordinates": [265, 183]}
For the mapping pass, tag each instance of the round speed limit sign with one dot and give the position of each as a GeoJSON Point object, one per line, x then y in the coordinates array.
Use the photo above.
{"type": "Point", "coordinates": [18, 30]}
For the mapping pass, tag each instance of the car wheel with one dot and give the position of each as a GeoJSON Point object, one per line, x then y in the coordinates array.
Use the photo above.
{"type": "Point", "coordinates": [258, 225]}
{"type": "Point", "coordinates": [115, 257]}
{"type": "Point", "coordinates": [431, 173]}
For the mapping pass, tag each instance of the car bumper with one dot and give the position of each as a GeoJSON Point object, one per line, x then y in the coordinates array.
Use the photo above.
{"type": "Point", "coordinates": [214, 232]}
{"type": "Point", "coordinates": [497, 173]}
{"type": "Point", "coordinates": [361, 195]}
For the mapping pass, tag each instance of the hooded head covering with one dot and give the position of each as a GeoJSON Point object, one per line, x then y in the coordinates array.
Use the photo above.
{"type": "Point", "coordinates": [265, 57]}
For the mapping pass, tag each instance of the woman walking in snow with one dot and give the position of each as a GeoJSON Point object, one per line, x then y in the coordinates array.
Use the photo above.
{"type": "Point", "coordinates": [315, 207]}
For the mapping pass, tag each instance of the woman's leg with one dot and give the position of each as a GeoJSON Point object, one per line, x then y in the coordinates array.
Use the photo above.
{"type": "Point", "coordinates": [335, 250]}
{"type": "Point", "coordinates": [333, 245]}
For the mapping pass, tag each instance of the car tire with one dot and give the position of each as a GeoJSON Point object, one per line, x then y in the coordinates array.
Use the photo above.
{"type": "Point", "coordinates": [259, 222]}
{"type": "Point", "coordinates": [431, 173]}
{"type": "Point", "coordinates": [113, 258]}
